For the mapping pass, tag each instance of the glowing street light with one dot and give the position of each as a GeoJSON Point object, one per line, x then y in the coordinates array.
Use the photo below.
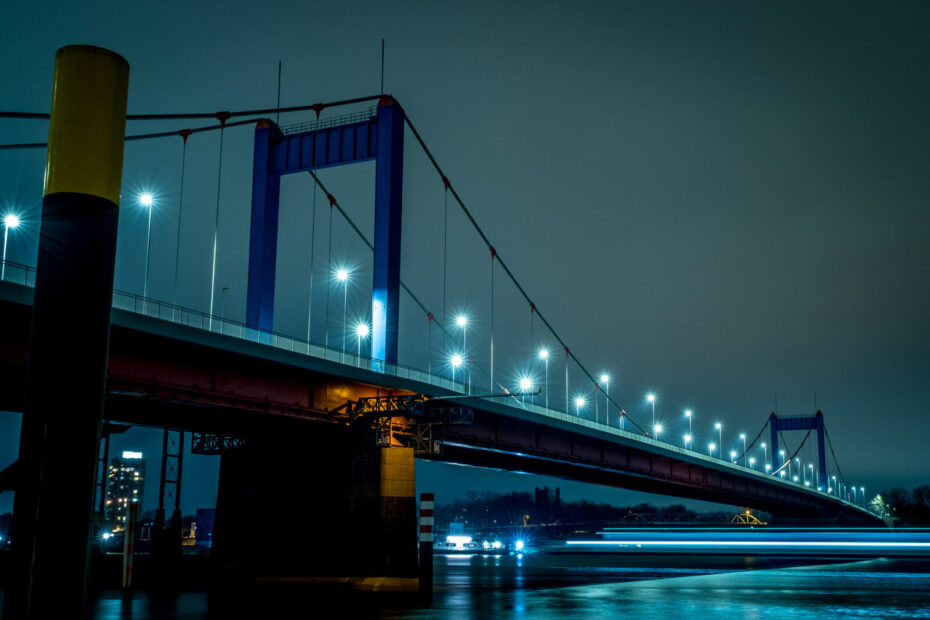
{"type": "Point", "coordinates": [148, 201]}
{"type": "Point", "coordinates": [719, 428]}
{"type": "Point", "coordinates": [658, 429]}
{"type": "Point", "coordinates": [710, 448]}
{"type": "Point", "coordinates": [10, 221]}
{"type": "Point", "coordinates": [544, 356]}
{"type": "Point", "coordinates": [526, 384]}
{"type": "Point", "coordinates": [733, 455]}
{"type": "Point", "coordinates": [862, 495]}
{"type": "Point", "coordinates": [605, 379]}
{"type": "Point", "coordinates": [361, 331]}
{"type": "Point", "coordinates": [579, 403]}
{"type": "Point", "coordinates": [462, 321]}
{"type": "Point", "coordinates": [765, 456]}
{"type": "Point", "coordinates": [687, 441]}
{"type": "Point", "coordinates": [652, 399]}
{"type": "Point", "coordinates": [342, 275]}
{"type": "Point", "coordinates": [752, 463]}
{"type": "Point", "coordinates": [743, 437]}
{"type": "Point", "coordinates": [456, 361]}
{"type": "Point", "coordinates": [835, 486]}
{"type": "Point", "coordinates": [688, 415]}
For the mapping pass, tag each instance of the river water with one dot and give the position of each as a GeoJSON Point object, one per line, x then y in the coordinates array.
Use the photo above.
{"type": "Point", "coordinates": [579, 585]}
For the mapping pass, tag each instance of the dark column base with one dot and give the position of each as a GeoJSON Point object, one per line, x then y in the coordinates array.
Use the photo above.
{"type": "Point", "coordinates": [315, 505]}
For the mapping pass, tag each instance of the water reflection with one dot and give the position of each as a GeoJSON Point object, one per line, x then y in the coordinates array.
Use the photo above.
{"type": "Point", "coordinates": [543, 586]}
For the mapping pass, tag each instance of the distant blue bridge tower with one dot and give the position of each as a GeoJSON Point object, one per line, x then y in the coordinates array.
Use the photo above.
{"type": "Point", "coordinates": [381, 138]}
{"type": "Point", "coordinates": [802, 423]}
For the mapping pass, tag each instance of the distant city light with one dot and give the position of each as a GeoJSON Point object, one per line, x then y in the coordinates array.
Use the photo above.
{"type": "Point", "coordinates": [132, 455]}
{"type": "Point", "coordinates": [519, 545]}
{"type": "Point", "coordinates": [459, 541]}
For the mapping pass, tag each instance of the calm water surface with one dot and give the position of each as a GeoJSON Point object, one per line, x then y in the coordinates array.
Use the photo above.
{"type": "Point", "coordinates": [544, 586]}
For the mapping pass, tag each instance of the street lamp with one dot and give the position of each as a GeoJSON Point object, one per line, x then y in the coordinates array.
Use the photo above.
{"type": "Point", "coordinates": [862, 495]}
{"type": "Point", "coordinates": [544, 356]}
{"type": "Point", "coordinates": [765, 457]}
{"type": "Point", "coordinates": [719, 428]}
{"type": "Point", "coordinates": [462, 321]}
{"type": "Point", "coordinates": [835, 486]}
{"type": "Point", "coordinates": [342, 275]}
{"type": "Point", "coordinates": [148, 201]}
{"type": "Point", "coordinates": [361, 331]}
{"type": "Point", "coordinates": [605, 379]}
{"type": "Point", "coordinates": [456, 361]}
{"type": "Point", "coordinates": [687, 441]}
{"type": "Point", "coordinates": [652, 399]}
{"type": "Point", "coordinates": [688, 415]}
{"type": "Point", "coordinates": [579, 403]}
{"type": "Point", "coordinates": [733, 456]}
{"type": "Point", "coordinates": [743, 437]}
{"type": "Point", "coordinates": [658, 429]}
{"type": "Point", "coordinates": [710, 448]}
{"type": "Point", "coordinates": [752, 463]}
{"type": "Point", "coordinates": [9, 221]}
{"type": "Point", "coordinates": [526, 384]}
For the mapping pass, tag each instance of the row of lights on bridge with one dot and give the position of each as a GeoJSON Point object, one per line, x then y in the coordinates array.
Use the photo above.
{"type": "Point", "coordinates": [525, 383]}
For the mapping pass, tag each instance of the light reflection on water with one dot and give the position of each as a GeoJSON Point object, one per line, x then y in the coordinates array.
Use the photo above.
{"type": "Point", "coordinates": [540, 586]}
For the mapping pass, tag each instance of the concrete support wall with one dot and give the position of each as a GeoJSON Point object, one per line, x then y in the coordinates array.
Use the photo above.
{"type": "Point", "coordinates": [318, 504]}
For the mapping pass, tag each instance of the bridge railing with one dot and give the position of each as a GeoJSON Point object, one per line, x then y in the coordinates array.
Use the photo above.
{"type": "Point", "coordinates": [130, 302]}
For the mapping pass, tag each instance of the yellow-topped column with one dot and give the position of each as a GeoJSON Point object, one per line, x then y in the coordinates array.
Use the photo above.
{"type": "Point", "coordinates": [68, 347]}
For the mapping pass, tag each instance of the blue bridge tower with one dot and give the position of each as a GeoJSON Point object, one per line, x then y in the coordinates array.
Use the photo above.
{"type": "Point", "coordinates": [378, 137]}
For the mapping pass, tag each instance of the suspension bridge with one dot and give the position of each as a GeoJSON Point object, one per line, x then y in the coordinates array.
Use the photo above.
{"type": "Point", "coordinates": [344, 402]}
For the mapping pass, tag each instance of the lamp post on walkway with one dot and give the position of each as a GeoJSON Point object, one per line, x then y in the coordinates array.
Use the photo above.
{"type": "Point", "coordinates": [9, 221]}
{"type": "Point", "coordinates": [147, 201]}
{"type": "Point", "coordinates": [544, 356]}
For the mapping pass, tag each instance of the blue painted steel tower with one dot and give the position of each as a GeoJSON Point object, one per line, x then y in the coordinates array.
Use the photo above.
{"type": "Point", "coordinates": [379, 137]}
{"type": "Point", "coordinates": [802, 423]}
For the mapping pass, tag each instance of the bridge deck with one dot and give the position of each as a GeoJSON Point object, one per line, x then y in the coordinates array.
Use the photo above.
{"type": "Point", "coordinates": [202, 365]}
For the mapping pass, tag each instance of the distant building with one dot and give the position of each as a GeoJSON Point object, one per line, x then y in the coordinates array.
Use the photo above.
{"type": "Point", "coordinates": [125, 485]}
{"type": "Point", "coordinates": [203, 532]}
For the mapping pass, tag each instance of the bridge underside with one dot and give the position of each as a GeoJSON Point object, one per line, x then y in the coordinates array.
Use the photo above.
{"type": "Point", "coordinates": [170, 376]}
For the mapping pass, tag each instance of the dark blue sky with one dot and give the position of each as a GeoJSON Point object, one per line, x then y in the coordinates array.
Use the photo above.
{"type": "Point", "coordinates": [716, 201]}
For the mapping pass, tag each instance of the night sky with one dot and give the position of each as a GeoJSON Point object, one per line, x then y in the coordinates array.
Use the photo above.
{"type": "Point", "coordinates": [714, 201]}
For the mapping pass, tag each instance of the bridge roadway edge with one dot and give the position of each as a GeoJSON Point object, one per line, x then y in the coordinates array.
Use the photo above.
{"type": "Point", "coordinates": [592, 455]}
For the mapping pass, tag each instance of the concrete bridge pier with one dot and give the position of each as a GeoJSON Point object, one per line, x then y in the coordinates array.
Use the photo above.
{"type": "Point", "coordinates": [319, 505]}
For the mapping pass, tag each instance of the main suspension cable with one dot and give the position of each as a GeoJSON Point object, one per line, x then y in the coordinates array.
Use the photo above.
{"type": "Point", "coordinates": [503, 264]}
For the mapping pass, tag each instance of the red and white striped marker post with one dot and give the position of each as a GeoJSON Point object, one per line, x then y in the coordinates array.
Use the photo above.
{"type": "Point", "coordinates": [129, 544]}
{"type": "Point", "coordinates": [426, 543]}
